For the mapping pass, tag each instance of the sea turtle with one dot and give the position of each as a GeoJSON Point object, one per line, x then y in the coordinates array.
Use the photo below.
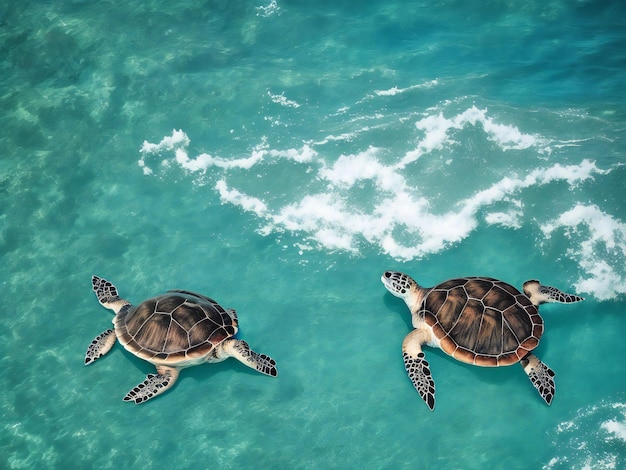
{"type": "Point", "coordinates": [476, 320]}
{"type": "Point", "coordinates": [174, 330]}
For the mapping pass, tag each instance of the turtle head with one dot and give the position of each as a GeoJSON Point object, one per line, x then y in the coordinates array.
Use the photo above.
{"type": "Point", "coordinates": [401, 285]}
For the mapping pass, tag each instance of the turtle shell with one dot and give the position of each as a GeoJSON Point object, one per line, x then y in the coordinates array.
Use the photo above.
{"type": "Point", "coordinates": [175, 327]}
{"type": "Point", "coordinates": [482, 321]}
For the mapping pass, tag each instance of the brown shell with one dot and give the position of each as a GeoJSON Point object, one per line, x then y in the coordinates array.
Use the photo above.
{"type": "Point", "coordinates": [482, 321]}
{"type": "Point", "coordinates": [175, 327]}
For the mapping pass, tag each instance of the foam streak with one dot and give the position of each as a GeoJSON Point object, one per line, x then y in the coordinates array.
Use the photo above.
{"type": "Point", "coordinates": [598, 245]}
{"type": "Point", "coordinates": [368, 196]}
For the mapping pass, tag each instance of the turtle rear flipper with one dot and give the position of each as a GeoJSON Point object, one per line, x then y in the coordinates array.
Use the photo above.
{"type": "Point", "coordinates": [153, 385]}
{"type": "Point", "coordinates": [417, 366]}
{"type": "Point", "coordinates": [540, 294]}
{"type": "Point", "coordinates": [241, 351]}
{"type": "Point", "coordinates": [541, 376]}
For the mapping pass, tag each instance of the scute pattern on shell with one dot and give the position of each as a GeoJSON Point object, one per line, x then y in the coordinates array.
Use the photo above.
{"type": "Point", "coordinates": [175, 326]}
{"type": "Point", "coordinates": [482, 321]}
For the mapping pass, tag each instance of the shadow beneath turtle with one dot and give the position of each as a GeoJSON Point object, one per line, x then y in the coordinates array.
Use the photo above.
{"type": "Point", "coordinates": [200, 373]}
{"type": "Point", "coordinates": [494, 375]}
{"type": "Point", "coordinates": [450, 374]}
{"type": "Point", "coordinates": [399, 307]}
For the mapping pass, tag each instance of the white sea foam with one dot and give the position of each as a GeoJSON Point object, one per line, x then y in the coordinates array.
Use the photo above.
{"type": "Point", "coordinates": [178, 138]}
{"type": "Point", "coordinates": [395, 90]}
{"type": "Point", "coordinates": [349, 169]}
{"type": "Point", "coordinates": [268, 10]}
{"type": "Point", "coordinates": [179, 142]}
{"type": "Point", "coordinates": [436, 129]}
{"type": "Point", "coordinates": [511, 219]}
{"type": "Point", "coordinates": [236, 198]}
{"type": "Point", "coordinates": [396, 216]}
{"type": "Point", "coordinates": [591, 441]}
{"type": "Point", "coordinates": [616, 429]}
{"type": "Point", "coordinates": [347, 136]}
{"type": "Point", "coordinates": [282, 100]}
{"type": "Point", "coordinates": [598, 245]}
{"type": "Point", "coordinates": [302, 155]}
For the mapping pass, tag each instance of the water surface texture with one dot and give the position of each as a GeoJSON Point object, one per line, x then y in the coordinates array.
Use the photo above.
{"type": "Point", "coordinates": [278, 156]}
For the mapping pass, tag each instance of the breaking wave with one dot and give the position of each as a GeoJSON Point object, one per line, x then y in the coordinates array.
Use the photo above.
{"type": "Point", "coordinates": [410, 205]}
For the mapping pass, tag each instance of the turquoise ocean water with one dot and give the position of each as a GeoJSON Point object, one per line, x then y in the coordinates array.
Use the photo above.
{"type": "Point", "coordinates": [278, 156]}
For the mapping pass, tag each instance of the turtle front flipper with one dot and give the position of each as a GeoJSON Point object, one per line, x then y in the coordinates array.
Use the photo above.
{"type": "Point", "coordinates": [107, 294]}
{"type": "Point", "coordinates": [101, 345]}
{"type": "Point", "coordinates": [417, 366]}
{"type": "Point", "coordinates": [241, 351]}
{"type": "Point", "coordinates": [540, 294]}
{"type": "Point", "coordinates": [541, 376]}
{"type": "Point", "coordinates": [153, 385]}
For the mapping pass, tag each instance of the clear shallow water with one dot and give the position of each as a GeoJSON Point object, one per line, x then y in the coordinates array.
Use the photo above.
{"type": "Point", "coordinates": [278, 157]}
